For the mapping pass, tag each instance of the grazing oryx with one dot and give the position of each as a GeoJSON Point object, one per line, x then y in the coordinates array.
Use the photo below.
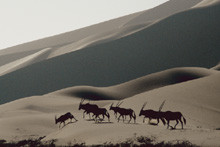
{"type": "Point", "coordinates": [123, 112]}
{"type": "Point", "coordinates": [176, 116]}
{"type": "Point", "coordinates": [88, 108]}
{"type": "Point", "coordinates": [115, 109]}
{"type": "Point", "coordinates": [63, 118]}
{"type": "Point", "coordinates": [101, 111]}
{"type": "Point", "coordinates": [151, 114]}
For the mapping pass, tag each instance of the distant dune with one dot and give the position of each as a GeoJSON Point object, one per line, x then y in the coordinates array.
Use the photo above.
{"type": "Point", "coordinates": [187, 38]}
{"type": "Point", "coordinates": [95, 34]}
{"type": "Point", "coordinates": [137, 86]}
{"type": "Point", "coordinates": [217, 67]}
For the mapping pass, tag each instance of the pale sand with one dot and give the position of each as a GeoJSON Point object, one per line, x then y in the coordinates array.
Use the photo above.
{"type": "Point", "coordinates": [198, 100]}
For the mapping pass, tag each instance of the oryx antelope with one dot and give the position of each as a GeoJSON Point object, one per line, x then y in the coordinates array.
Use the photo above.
{"type": "Point", "coordinates": [115, 109]}
{"type": "Point", "coordinates": [63, 118]}
{"type": "Point", "coordinates": [172, 116]}
{"type": "Point", "coordinates": [101, 111]}
{"type": "Point", "coordinates": [88, 108]}
{"type": "Point", "coordinates": [151, 114]}
{"type": "Point", "coordinates": [123, 112]}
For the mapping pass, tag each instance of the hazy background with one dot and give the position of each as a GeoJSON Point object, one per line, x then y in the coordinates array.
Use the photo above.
{"type": "Point", "coordinates": [26, 20]}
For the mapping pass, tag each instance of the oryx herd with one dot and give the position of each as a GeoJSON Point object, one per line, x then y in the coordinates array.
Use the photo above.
{"type": "Point", "coordinates": [119, 112]}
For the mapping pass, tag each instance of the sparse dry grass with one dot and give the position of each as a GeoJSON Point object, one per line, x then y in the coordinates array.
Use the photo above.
{"type": "Point", "coordinates": [140, 141]}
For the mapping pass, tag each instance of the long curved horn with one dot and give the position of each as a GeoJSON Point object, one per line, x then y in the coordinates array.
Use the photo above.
{"type": "Point", "coordinates": [111, 104]}
{"type": "Point", "coordinates": [161, 106]}
{"type": "Point", "coordinates": [82, 100]}
{"type": "Point", "coordinates": [55, 119]}
{"type": "Point", "coordinates": [143, 105]}
{"type": "Point", "coordinates": [119, 104]}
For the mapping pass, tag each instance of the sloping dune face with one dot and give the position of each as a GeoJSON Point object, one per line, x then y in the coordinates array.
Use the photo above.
{"type": "Point", "coordinates": [198, 100]}
{"type": "Point", "coordinates": [140, 85]}
{"type": "Point", "coordinates": [96, 34]}
{"type": "Point", "coordinates": [205, 3]}
{"type": "Point", "coordinates": [217, 67]}
{"type": "Point", "coordinates": [188, 38]}
{"type": "Point", "coordinates": [169, 8]}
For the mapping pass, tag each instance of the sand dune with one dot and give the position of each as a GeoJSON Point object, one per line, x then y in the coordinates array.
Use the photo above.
{"type": "Point", "coordinates": [137, 86]}
{"type": "Point", "coordinates": [97, 39]}
{"type": "Point", "coordinates": [192, 41]}
{"type": "Point", "coordinates": [205, 3]}
{"type": "Point", "coordinates": [100, 30]}
{"type": "Point", "coordinates": [168, 8]}
{"type": "Point", "coordinates": [217, 67]}
{"type": "Point", "coordinates": [28, 60]}
{"type": "Point", "coordinates": [110, 30]}
{"type": "Point", "coordinates": [197, 99]}
{"type": "Point", "coordinates": [134, 59]}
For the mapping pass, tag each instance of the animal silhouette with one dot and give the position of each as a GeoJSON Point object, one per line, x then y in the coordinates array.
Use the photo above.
{"type": "Point", "coordinates": [169, 116]}
{"type": "Point", "coordinates": [115, 109]}
{"type": "Point", "coordinates": [151, 114]}
{"type": "Point", "coordinates": [123, 112]}
{"type": "Point", "coordinates": [63, 118]}
{"type": "Point", "coordinates": [101, 111]}
{"type": "Point", "coordinates": [173, 116]}
{"type": "Point", "coordinates": [88, 108]}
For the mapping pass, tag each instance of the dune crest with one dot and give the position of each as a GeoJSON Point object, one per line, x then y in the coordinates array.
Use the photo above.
{"type": "Point", "coordinates": [206, 3]}
{"type": "Point", "coordinates": [217, 67]}
{"type": "Point", "coordinates": [136, 86]}
{"type": "Point", "coordinates": [28, 60]}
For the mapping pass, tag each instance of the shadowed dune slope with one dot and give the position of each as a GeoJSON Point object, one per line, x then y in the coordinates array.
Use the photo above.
{"type": "Point", "coordinates": [61, 44]}
{"type": "Point", "coordinates": [168, 8]}
{"type": "Point", "coordinates": [110, 30]}
{"type": "Point", "coordinates": [205, 3]}
{"type": "Point", "coordinates": [189, 38]}
{"type": "Point", "coordinates": [137, 86]}
{"type": "Point", "coordinates": [28, 60]}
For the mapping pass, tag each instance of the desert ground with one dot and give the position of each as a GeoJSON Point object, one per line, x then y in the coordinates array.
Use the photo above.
{"type": "Point", "coordinates": [168, 53]}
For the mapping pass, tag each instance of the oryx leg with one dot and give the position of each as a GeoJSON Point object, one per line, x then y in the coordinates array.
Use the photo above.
{"type": "Point", "coordinates": [176, 123]}
{"type": "Point", "coordinates": [75, 119]}
{"type": "Point", "coordinates": [158, 121]}
{"type": "Point", "coordinates": [168, 124]}
{"type": "Point", "coordinates": [84, 114]}
{"type": "Point", "coordinates": [123, 117]}
{"type": "Point", "coordinates": [107, 117]}
{"type": "Point", "coordinates": [119, 117]}
{"type": "Point", "coordinates": [149, 120]}
{"type": "Point", "coordinates": [130, 118]}
{"type": "Point", "coordinates": [89, 116]}
{"type": "Point", "coordinates": [144, 120]}
{"type": "Point", "coordinates": [96, 118]}
{"type": "Point", "coordinates": [181, 122]}
{"type": "Point", "coordinates": [115, 115]}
